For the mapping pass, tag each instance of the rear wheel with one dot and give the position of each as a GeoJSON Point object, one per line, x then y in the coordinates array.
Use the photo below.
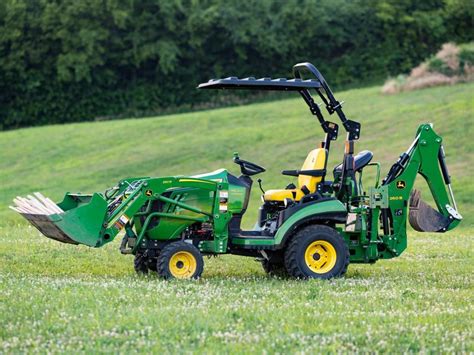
{"type": "Point", "coordinates": [317, 252]}
{"type": "Point", "coordinates": [180, 260]}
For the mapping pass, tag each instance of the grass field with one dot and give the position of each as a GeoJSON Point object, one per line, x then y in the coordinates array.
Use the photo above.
{"type": "Point", "coordinates": [56, 298]}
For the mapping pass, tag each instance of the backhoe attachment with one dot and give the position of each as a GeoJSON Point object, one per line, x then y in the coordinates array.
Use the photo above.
{"type": "Point", "coordinates": [426, 157]}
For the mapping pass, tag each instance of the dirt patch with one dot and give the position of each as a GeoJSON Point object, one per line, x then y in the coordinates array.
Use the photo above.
{"type": "Point", "coordinates": [450, 65]}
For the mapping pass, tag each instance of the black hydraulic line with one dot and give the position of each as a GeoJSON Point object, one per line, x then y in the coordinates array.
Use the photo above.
{"type": "Point", "coordinates": [445, 172]}
{"type": "Point", "coordinates": [330, 128]}
{"type": "Point", "coordinates": [396, 168]}
{"type": "Point", "coordinates": [400, 164]}
{"type": "Point", "coordinates": [444, 167]}
{"type": "Point", "coordinates": [313, 107]}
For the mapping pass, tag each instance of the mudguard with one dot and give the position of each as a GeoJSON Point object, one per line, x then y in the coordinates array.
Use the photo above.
{"type": "Point", "coordinates": [326, 210]}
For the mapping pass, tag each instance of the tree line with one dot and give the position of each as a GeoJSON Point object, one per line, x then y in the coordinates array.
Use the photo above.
{"type": "Point", "coordinates": [75, 60]}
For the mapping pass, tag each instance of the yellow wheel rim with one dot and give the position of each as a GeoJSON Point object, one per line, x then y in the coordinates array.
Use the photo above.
{"type": "Point", "coordinates": [320, 256]}
{"type": "Point", "coordinates": [182, 265]}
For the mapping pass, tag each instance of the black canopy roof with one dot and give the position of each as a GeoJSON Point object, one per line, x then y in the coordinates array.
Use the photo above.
{"type": "Point", "coordinates": [280, 84]}
{"type": "Point", "coordinates": [302, 86]}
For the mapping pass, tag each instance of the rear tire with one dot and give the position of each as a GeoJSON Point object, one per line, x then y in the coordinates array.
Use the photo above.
{"type": "Point", "coordinates": [180, 260]}
{"type": "Point", "coordinates": [317, 252]}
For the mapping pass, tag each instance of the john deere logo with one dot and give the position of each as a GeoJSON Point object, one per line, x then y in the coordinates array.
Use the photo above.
{"type": "Point", "coordinates": [148, 192]}
{"type": "Point", "coordinates": [401, 184]}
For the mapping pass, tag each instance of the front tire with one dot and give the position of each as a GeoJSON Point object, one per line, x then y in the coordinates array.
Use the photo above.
{"type": "Point", "coordinates": [317, 252]}
{"type": "Point", "coordinates": [180, 260]}
{"type": "Point", "coordinates": [143, 263]}
{"type": "Point", "coordinates": [140, 265]}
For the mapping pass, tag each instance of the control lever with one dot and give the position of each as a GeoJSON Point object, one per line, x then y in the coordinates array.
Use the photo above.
{"type": "Point", "coordinates": [260, 185]}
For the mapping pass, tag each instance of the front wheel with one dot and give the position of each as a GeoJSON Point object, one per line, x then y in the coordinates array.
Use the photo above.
{"type": "Point", "coordinates": [180, 260]}
{"type": "Point", "coordinates": [140, 264]}
{"type": "Point", "coordinates": [317, 252]}
{"type": "Point", "coordinates": [143, 263]}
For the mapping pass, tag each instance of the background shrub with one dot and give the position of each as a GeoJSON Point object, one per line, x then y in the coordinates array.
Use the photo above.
{"type": "Point", "coordinates": [450, 65]}
{"type": "Point", "coordinates": [73, 60]}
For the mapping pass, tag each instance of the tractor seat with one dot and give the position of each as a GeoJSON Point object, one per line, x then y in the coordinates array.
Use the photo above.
{"type": "Point", "coordinates": [316, 160]}
{"type": "Point", "coordinates": [361, 159]}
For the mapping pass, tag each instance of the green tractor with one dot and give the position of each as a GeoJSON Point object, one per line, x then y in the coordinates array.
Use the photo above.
{"type": "Point", "coordinates": [313, 229]}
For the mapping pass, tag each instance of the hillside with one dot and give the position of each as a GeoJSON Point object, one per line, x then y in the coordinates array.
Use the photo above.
{"type": "Point", "coordinates": [57, 298]}
{"type": "Point", "coordinates": [90, 157]}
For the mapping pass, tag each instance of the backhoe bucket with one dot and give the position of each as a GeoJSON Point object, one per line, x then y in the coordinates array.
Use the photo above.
{"type": "Point", "coordinates": [423, 217]}
{"type": "Point", "coordinates": [78, 219]}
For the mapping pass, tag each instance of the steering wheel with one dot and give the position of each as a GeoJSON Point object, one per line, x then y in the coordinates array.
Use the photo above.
{"type": "Point", "coordinates": [248, 168]}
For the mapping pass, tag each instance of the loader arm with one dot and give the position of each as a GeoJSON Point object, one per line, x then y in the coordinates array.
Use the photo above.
{"type": "Point", "coordinates": [140, 196]}
{"type": "Point", "coordinates": [96, 219]}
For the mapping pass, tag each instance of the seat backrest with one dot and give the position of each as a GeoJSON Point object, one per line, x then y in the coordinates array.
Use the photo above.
{"type": "Point", "coordinates": [315, 160]}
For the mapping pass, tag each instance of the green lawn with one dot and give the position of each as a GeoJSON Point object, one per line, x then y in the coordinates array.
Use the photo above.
{"type": "Point", "coordinates": [56, 297]}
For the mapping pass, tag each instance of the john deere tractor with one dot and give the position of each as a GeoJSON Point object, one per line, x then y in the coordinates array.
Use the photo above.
{"type": "Point", "coordinates": [312, 229]}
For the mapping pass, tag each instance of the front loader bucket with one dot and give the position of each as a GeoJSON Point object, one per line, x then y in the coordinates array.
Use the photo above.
{"type": "Point", "coordinates": [423, 217]}
{"type": "Point", "coordinates": [78, 219]}
{"type": "Point", "coordinates": [48, 228]}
